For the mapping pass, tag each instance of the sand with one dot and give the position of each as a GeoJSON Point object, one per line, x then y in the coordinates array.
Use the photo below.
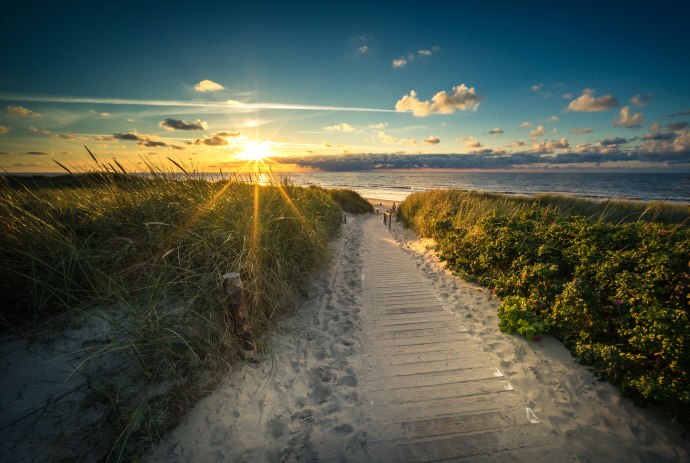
{"type": "Point", "coordinates": [389, 358]}
{"type": "Point", "coordinates": [392, 358]}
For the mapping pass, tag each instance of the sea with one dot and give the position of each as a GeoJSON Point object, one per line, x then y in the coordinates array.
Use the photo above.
{"type": "Point", "coordinates": [396, 186]}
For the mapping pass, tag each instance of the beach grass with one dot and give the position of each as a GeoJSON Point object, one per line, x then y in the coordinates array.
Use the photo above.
{"type": "Point", "coordinates": [138, 261]}
{"type": "Point", "coordinates": [610, 279]}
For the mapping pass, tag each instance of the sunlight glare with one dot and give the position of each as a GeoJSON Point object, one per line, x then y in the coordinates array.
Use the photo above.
{"type": "Point", "coordinates": [255, 151]}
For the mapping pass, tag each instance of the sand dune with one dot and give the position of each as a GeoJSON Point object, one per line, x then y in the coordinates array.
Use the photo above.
{"type": "Point", "coordinates": [392, 358]}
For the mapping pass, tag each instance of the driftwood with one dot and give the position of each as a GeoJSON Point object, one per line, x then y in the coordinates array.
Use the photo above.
{"type": "Point", "coordinates": [232, 286]}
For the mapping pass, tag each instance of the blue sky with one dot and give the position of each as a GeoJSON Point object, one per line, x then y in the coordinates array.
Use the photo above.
{"type": "Point", "coordinates": [509, 85]}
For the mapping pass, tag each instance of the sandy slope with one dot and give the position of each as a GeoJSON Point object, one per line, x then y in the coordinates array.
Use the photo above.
{"type": "Point", "coordinates": [325, 392]}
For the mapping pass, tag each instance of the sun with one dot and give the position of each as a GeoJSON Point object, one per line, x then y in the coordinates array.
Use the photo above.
{"type": "Point", "coordinates": [255, 151]}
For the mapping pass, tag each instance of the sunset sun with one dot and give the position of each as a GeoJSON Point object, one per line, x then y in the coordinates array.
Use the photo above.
{"type": "Point", "coordinates": [255, 151]}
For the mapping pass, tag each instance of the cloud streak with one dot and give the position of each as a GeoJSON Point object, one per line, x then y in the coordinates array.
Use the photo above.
{"type": "Point", "coordinates": [229, 105]}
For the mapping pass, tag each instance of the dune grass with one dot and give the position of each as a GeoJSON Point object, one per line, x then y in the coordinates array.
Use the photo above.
{"type": "Point", "coordinates": [350, 201]}
{"type": "Point", "coordinates": [142, 257]}
{"type": "Point", "coordinates": [612, 284]}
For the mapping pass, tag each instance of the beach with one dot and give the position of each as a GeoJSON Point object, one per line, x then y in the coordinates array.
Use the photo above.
{"type": "Point", "coordinates": [318, 395]}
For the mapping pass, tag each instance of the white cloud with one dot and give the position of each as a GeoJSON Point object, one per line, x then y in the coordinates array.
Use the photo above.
{"type": "Point", "coordinates": [427, 52]}
{"type": "Point", "coordinates": [641, 100]}
{"type": "Point", "coordinates": [537, 132]}
{"type": "Point", "coordinates": [470, 142]}
{"type": "Point", "coordinates": [380, 125]}
{"type": "Point", "coordinates": [568, 96]}
{"type": "Point", "coordinates": [580, 131]}
{"type": "Point", "coordinates": [526, 125]}
{"type": "Point", "coordinates": [384, 137]}
{"type": "Point", "coordinates": [399, 63]}
{"type": "Point", "coordinates": [432, 140]}
{"type": "Point", "coordinates": [628, 119]}
{"type": "Point", "coordinates": [553, 119]}
{"type": "Point", "coordinates": [342, 127]}
{"type": "Point", "coordinates": [363, 50]}
{"type": "Point", "coordinates": [208, 86]}
{"type": "Point", "coordinates": [21, 111]}
{"type": "Point", "coordinates": [495, 131]}
{"type": "Point", "coordinates": [588, 103]}
{"type": "Point", "coordinates": [536, 87]}
{"type": "Point", "coordinates": [462, 98]}
{"type": "Point", "coordinates": [4, 129]}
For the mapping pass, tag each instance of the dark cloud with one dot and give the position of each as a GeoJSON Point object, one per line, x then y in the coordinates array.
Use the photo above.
{"type": "Point", "coordinates": [495, 131]}
{"type": "Point", "coordinates": [681, 113]}
{"type": "Point", "coordinates": [432, 140]}
{"type": "Point", "coordinates": [660, 136]}
{"type": "Point", "coordinates": [217, 139]}
{"type": "Point", "coordinates": [481, 159]}
{"type": "Point", "coordinates": [677, 125]}
{"type": "Point", "coordinates": [615, 141]}
{"type": "Point", "coordinates": [151, 141]}
{"type": "Point", "coordinates": [178, 124]}
{"type": "Point", "coordinates": [35, 153]}
{"type": "Point", "coordinates": [641, 100]}
{"type": "Point", "coordinates": [581, 131]}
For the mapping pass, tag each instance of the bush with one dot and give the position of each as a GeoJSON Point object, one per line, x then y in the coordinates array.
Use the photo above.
{"type": "Point", "coordinates": [617, 294]}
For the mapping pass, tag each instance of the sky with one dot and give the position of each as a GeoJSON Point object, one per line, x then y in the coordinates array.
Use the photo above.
{"type": "Point", "coordinates": [345, 86]}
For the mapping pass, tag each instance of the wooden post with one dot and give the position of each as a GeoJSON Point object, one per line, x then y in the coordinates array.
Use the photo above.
{"type": "Point", "coordinates": [390, 221]}
{"type": "Point", "coordinates": [344, 218]}
{"type": "Point", "coordinates": [384, 218]}
{"type": "Point", "coordinates": [232, 286]}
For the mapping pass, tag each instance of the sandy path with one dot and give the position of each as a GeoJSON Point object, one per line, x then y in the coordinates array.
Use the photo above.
{"type": "Point", "coordinates": [394, 359]}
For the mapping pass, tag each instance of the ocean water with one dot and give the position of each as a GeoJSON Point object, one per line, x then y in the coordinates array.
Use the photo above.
{"type": "Point", "coordinates": [672, 187]}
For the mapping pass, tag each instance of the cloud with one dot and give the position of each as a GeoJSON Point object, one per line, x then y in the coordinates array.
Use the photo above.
{"type": "Point", "coordinates": [526, 125]}
{"type": "Point", "coordinates": [545, 146]}
{"type": "Point", "coordinates": [217, 139]}
{"type": "Point", "coordinates": [462, 98]}
{"type": "Point", "coordinates": [225, 106]}
{"type": "Point", "coordinates": [660, 136]}
{"type": "Point", "coordinates": [386, 138]}
{"type": "Point", "coordinates": [537, 132]}
{"type": "Point", "coordinates": [21, 111]}
{"type": "Point", "coordinates": [536, 87]}
{"type": "Point", "coordinates": [208, 86]}
{"type": "Point", "coordinates": [681, 113]}
{"type": "Point", "coordinates": [178, 124]}
{"type": "Point", "coordinates": [470, 142]}
{"type": "Point", "coordinates": [517, 143]}
{"type": "Point", "coordinates": [432, 140]}
{"type": "Point", "coordinates": [495, 131]}
{"type": "Point", "coordinates": [364, 49]}
{"type": "Point", "coordinates": [610, 141]}
{"type": "Point", "coordinates": [342, 127]}
{"type": "Point", "coordinates": [150, 141]}
{"type": "Point", "coordinates": [553, 119]}
{"type": "Point", "coordinates": [399, 63]}
{"type": "Point", "coordinates": [380, 125]}
{"type": "Point", "coordinates": [588, 103]}
{"type": "Point", "coordinates": [55, 135]}
{"type": "Point", "coordinates": [641, 100]}
{"type": "Point", "coordinates": [4, 129]}
{"type": "Point", "coordinates": [677, 125]}
{"type": "Point", "coordinates": [677, 142]}
{"type": "Point", "coordinates": [629, 120]}
{"type": "Point", "coordinates": [425, 52]}
{"type": "Point", "coordinates": [581, 131]}
{"type": "Point", "coordinates": [568, 96]}
{"type": "Point", "coordinates": [35, 153]}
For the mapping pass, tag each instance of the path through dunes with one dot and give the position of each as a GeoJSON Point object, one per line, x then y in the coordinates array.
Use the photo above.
{"type": "Point", "coordinates": [436, 394]}
{"type": "Point", "coordinates": [392, 359]}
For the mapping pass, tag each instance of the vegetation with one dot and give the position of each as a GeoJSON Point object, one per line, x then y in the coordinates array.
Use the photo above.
{"type": "Point", "coordinates": [615, 288]}
{"type": "Point", "coordinates": [144, 256]}
{"type": "Point", "coordinates": [350, 201]}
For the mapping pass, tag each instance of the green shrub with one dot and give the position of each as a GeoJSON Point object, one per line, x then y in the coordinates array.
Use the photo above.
{"type": "Point", "coordinates": [616, 293]}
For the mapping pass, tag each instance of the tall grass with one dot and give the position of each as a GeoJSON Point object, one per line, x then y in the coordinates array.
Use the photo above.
{"type": "Point", "coordinates": [143, 256]}
{"type": "Point", "coordinates": [453, 208]}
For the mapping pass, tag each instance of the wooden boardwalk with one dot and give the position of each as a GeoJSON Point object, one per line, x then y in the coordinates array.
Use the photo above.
{"type": "Point", "coordinates": [435, 394]}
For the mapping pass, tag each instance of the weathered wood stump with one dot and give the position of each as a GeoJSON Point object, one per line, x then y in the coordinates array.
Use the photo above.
{"type": "Point", "coordinates": [232, 286]}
